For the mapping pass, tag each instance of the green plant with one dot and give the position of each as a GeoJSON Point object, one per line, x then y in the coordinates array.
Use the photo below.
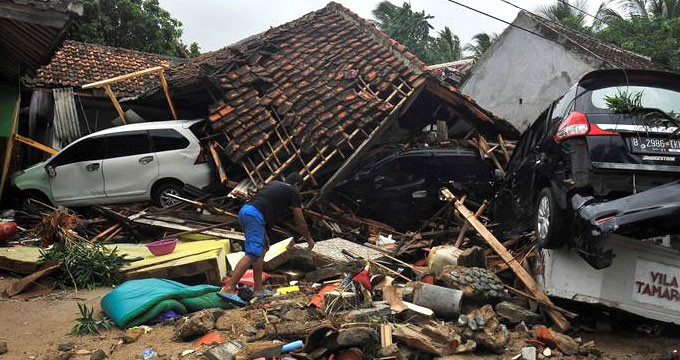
{"type": "Point", "coordinates": [87, 323]}
{"type": "Point", "coordinates": [84, 265]}
{"type": "Point", "coordinates": [624, 101]}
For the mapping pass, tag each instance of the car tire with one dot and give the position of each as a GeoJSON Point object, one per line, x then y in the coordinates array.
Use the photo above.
{"type": "Point", "coordinates": [474, 282]}
{"type": "Point", "coordinates": [549, 221]}
{"type": "Point", "coordinates": [29, 207]}
{"type": "Point", "coordinates": [159, 195]}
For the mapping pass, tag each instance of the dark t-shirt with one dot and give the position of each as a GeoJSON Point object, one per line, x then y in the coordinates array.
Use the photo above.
{"type": "Point", "coordinates": [274, 200]}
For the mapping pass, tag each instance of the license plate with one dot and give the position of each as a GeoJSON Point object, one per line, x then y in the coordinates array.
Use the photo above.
{"type": "Point", "coordinates": [654, 145]}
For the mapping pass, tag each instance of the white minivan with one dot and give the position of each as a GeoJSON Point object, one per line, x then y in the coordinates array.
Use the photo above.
{"type": "Point", "coordinates": [136, 162]}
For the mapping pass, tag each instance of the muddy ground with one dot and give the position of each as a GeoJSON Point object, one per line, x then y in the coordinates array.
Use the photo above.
{"type": "Point", "coordinates": [34, 329]}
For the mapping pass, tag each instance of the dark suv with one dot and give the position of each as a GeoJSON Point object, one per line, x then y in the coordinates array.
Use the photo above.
{"type": "Point", "coordinates": [603, 158]}
{"type": "Point", "coordinates": [402, 189]}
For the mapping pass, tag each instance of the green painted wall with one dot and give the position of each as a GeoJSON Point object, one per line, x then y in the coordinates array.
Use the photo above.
{"type": "Point", "coordinates": [9, 94]}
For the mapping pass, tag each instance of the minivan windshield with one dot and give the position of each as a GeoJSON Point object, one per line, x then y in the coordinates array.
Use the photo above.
{"type": "Point", "coordinates": [666, 100]}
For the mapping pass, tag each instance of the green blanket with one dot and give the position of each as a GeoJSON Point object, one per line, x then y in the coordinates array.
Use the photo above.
{"type": "Point", "coordinates": [136, 302]}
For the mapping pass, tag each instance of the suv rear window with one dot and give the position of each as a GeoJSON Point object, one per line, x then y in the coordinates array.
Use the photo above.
{"type": "Point", "coordinates": [666, 100]}
{"type": "Point", "coordinates": [167, 139]}
{"type": "Point", "coordinates": [657, 90]}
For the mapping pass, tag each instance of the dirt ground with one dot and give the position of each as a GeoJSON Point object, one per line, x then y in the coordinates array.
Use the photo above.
{"type": "Point", "coordinates": [33, 329]}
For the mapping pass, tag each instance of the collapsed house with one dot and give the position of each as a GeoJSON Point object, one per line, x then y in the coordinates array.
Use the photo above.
{"type": "Point", "coordinates": [522, 73]}
{"type": "Point", "coordinates": [454, 72]}
{"type": "Point", "coordinates": [30, 32]}
{"type": "Point", "coordinates": [313, 95]}
{"type": "Point", "coordinates": [61, 110]}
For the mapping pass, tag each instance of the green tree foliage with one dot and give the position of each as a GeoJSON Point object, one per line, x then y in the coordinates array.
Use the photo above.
{"type": "Point", "coordinates": [647, 27]}
{"type": "Point", "coordinates": [480, 44]}
{"type": "Point", "coordinates": [566, 13]}
{"type": "Point", "coordinates": [132, 24]}
{"type": "Point", "coordinates": [446, 47]}
{"type": "Point", "coordinates": [654, 37]}
{"type": "Point", "coordinates": [412, 28]}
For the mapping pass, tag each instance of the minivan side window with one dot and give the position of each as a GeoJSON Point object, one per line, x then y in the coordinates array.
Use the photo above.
{"type": "Point", "coordinates": [89, 149]}
{"type": "Point", "coordinates": [128, 143]}
{"type": "Point", "coordinates": [167, 139]}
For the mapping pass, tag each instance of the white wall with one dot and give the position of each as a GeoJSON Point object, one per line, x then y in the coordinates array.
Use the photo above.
{"type": "Point", "coordinates": [524, 66]}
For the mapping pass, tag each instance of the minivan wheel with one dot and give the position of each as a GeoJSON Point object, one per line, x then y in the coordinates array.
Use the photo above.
{"type": "Point", "coordinates": [30, 207]}
{"type": "Point", "coordinates": [549, 221]}
{"type": "Point", "coordinates": [161, 194]}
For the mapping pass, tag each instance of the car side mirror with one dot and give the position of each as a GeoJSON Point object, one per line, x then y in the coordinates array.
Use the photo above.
{"type": "Point", "coordinates": [497, 174]}
{"type": "Point", "coordinates": [51, 171]}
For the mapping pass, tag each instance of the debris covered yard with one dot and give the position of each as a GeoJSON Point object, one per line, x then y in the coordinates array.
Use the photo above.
{"type": "Point", "coordinates": [440, 230]}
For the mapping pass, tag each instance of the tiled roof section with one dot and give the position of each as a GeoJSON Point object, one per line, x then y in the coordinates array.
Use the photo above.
{"type": "Point", "coordinates": [59, 5]}
{"type": "Point", "coordinates": [321, 77]}
{"type": "Point", "coordinates": [77, 64]}
{"type": "Point", "coordinates": [614, 55]}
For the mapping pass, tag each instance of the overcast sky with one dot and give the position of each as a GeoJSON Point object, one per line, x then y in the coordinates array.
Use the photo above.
{"type": "Point", "coordinates": [218, 23]}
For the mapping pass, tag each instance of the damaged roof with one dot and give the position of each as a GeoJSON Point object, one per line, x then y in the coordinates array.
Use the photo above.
{"type": "Point", "coordinates": [76, 64]}
{"type": "Point", "coordinates": [322, 77]}
{"type": "Point", "coordinates": [590, 46]}
{"type": "Point", "coordinates": [31, 30]}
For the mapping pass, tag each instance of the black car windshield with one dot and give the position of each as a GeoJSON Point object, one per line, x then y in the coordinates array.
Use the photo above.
{"type": "Point", "coordinates": [664, 99]}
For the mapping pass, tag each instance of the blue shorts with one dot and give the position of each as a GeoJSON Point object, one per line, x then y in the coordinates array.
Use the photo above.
{"type": "Point", "coordinates": [254, 226]}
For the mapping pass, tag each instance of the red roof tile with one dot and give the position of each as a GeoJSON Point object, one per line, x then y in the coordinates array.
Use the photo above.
{"type": "Point", "coordinates": [76, 64]}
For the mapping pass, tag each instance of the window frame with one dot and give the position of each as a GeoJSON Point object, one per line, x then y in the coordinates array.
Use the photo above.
{"type": "Point", "coordinates": [126, 133]}
{"type": "Point", "coordinates": [54, 162]}
{"type": "Point", "coordinates": [153, 142]}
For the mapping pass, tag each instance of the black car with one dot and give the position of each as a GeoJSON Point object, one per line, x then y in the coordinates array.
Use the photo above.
{"type": "Point", "coordinates": [402, 189]}
{"type": "Point", "coordinates": [594, 163]}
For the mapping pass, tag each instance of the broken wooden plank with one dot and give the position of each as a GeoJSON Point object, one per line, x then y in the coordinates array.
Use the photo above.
{"type": "Point", "coordinates": [35, 144]}
{"type": "Point", "coordinates": [465, 227]}
{"type": "Point", "coordinates": [504, 149]}
{"type": "Point", "coordinates": [218, 162]}
{"type": "Point", "coordinates": [223, 234]}
{"type": "Point", "coordinates": [484, 146]}
{"type": "Point", "coordinates": [164, 85]}
{"type": "Point", "coordinates": [533, 298]}
{"type": "Point", "coordinates": [123, 77]}
{"type": "Point", "coordinates": [560, 321]}
{"type": "Point", "coordinates": [105, 233]}
{"type": "Point", "coordinates": [385, 335]}
{"type": "Point", "coordinates": [116, 104]}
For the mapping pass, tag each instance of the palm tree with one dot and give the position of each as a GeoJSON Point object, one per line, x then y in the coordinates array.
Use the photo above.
{"type": "Point", "coordinates": [481, 43]}
{"type": "Point", "coordinates": [647, 9]}
{"type": "Point", "coordinates": [566, 13]}
{"type": "Point", "coordinates": [411, 28]}
{"type": "Point", "coordinates": [446, 47]}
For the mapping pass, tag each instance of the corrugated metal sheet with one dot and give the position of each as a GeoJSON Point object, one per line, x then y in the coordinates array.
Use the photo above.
{"type": "Point", "coordinates": [66, 125]}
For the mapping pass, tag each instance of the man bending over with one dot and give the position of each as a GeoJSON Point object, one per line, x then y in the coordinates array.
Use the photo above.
{"type": "Point", "coordinates": [264, 209]}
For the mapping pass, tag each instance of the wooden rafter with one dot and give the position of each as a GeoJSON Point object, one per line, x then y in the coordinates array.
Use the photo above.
{"type": "Point", "coordinates": [106, 85]}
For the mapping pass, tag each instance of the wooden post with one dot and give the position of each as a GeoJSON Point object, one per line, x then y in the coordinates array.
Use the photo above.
{"type": "Point", "coordinates": [560, 321]}
{"type": "Point", "coordinates": [484, 146]}
{"type": "Point", "coordinates": [35, 144]}
{"type": "Point", "coordinates": [112, 96]}
{"type": "Point", "coordinates": [218, 162]}
{"type": "Point", "coordinates": [120, 78]}
{"type": "Point", "coordinates": [164, 85]}
{"type": "Point", "coordinates": [466, 227]}
{"type": "Point", "coordinates": [9, 147]}
{"type": "Point", "coordinates": [506, 155]}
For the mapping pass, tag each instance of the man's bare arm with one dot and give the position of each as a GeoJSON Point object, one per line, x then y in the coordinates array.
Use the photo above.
{"type": "Point", "coordinates": [302, 226]}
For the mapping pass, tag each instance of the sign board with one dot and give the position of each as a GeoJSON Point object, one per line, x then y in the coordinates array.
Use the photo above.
{"type": "Point", "coordinates": [657, 284]}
